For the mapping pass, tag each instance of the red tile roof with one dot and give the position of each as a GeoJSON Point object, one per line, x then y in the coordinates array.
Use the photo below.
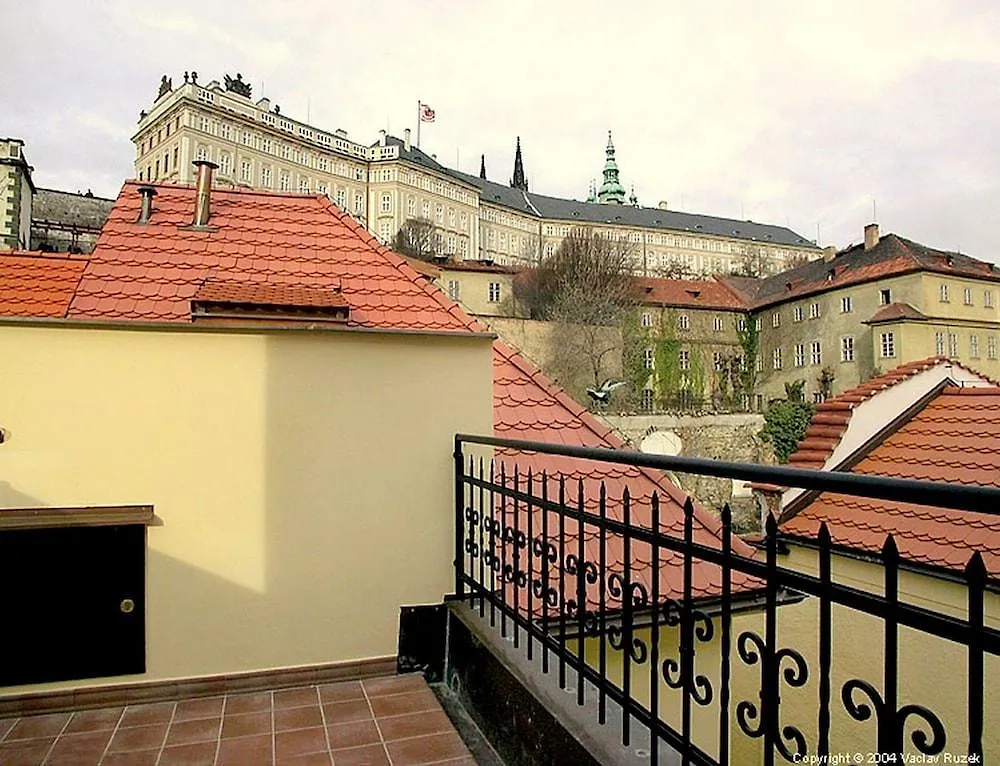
{"type": "Point", "coordinates": [688, 293]}
{"type": "Point", "coordinates": [152, 271]}
{"type": "Point", "coordinates": [893, 256]}
{"type": "Point", "coordinates": [954, 438]}
{"type": "Point", "coordinates": [896, 311]}
{"type": "Point", "coordinates": [36, 284]}
{"type": "Point", "coordinates": [265, 294]}
{"type": "Point", "coordinates": [832, 417]}
{"type": "Point", "coordinates": [527, 405]}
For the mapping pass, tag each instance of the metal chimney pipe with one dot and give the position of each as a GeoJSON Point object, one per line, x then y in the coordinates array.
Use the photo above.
{"type": "Point", "coordinates": [146, 194]}
{"type": "Point", "coordinates": [203, 201]}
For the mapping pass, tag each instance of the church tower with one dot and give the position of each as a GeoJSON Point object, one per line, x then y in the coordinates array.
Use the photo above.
{"type": "Point", "coordinates": [611, 190]}
{"type": "Point", "coordinates": [519, 181]}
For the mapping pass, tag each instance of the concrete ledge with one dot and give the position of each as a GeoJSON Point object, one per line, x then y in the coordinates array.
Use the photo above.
{"type": "Point", "coordinates": [523, 712]}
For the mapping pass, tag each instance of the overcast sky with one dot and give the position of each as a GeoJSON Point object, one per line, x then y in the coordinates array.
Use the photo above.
{"type": "Point", "coordinates": [798, 113]}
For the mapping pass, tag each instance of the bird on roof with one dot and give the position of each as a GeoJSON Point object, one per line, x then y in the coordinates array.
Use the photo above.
{"type": "Point", "coordinates": [603, 394]}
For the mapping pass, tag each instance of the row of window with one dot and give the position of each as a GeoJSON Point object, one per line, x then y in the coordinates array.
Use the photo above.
{"type": "Point", "coordinates": [967, 296]}
{"type": "Point", "coordinates": [494, 292]}
{"type": "Point", "coordinates": [455, 219]}
{"type": "Point", "coordinates": [940, 339]}
{"type": "Point", "coordinates": [684, 322]}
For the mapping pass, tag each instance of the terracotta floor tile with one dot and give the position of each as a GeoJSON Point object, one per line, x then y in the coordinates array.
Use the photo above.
{"type": "Point", "coordinates": [38, 726]}
{"type": "Point", "coordinates": [198, 730]}
{"type": "Point", "coordinates": [188, 710]}
{"type": "Point", "coordinates": [298, 718]}
{"type": "Point", "coordinates": [285, 698]}
{"type": "Point", "coordinates": [246, 725]}
{"type": "Point", "coordinates": [135, 758]}
{"type": "Point", "coordinates": [138, 738]}
{"type": "Point", "coordinates": [94, 720]}
{"type": "Point", "coordinates": [257, 702]}
{"type": "Point", "coordinates": [25, 753]}
{"type": "Point", "coordinates": [369, 755]}
{"type": "Point", "coordinates": [242, 751]}
{"type": "Point", "coordinates": [6, 725]}
{"type": "Point", "coordinates": [345, 712]}
{"type": "Point", "coordinates": [348, 690]}
{"type": "Point", "coordinates": [146, 715]}
{"type": "Point", "coordinates": [403, 704]}
{"type": "Point", "coordinates": [91, 743]}
{"type": "Point", "coordinates": [310, 759]}
{"type": "Point", "coordinates": [414, 725]}
{"type": "Point", "coordinates": [194, 754]}
{"type": "Point", "coordinates": [420, 750]}
{"type": "Point", "coordinates": [353, 734]}
{"type": "Point", "coordinates": [299, 742]}
{"type": "Point", "coordinates": [380, 687]}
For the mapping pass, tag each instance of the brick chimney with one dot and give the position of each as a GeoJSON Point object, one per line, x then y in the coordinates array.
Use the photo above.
{"type": "Point", "coordinates": [871, 236]}
{"type": "Point", "coordinates": [203, 201]}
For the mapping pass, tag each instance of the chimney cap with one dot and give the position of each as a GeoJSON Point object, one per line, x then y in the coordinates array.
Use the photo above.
{"type": "Point", "coordinates": [207, 163]}
{"type": "Point", "coordinates": [147, 191]}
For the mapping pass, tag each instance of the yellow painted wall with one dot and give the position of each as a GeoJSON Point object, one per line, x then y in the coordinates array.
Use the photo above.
{"type": "Point", "coordinates": [474, 291]}
{"type": "Point", "coordinates": [303, 480]}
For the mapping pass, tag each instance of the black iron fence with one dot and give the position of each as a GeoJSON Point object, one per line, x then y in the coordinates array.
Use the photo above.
{"type": "Point", "coordinates": [581, 577]}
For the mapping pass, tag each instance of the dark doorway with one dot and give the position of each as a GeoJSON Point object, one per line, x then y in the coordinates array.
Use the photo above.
{"type": "Point", "coordinates": [73, 603]}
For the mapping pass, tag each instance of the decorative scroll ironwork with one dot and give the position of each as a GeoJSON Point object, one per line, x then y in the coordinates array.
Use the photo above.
{"type": "Point", "coordinates": [537, 578]}
{"type": "Point", "coordinates": [891, 723]}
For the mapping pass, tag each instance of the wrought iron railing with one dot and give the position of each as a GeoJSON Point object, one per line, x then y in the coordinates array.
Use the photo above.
{"type": "Point", "coordinates": [561, 570]}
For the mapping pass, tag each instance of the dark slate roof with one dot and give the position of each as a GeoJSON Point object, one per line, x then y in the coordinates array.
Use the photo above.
{"type": "Point", "coordinates": [892, 256]}
{"type": "Point", "coordinates": [556, 208]}
{"type": "Point", "coordinates": [499, 194]}
{"type": "Point", "coordinates": [79, 211]}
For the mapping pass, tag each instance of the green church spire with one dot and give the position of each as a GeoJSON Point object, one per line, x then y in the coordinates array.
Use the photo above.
{"type": "Point", "coordinates": [611, 190]}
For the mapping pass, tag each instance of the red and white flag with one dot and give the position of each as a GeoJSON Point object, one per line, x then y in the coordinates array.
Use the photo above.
{"type": "Point", "coordinates": [426, 113]}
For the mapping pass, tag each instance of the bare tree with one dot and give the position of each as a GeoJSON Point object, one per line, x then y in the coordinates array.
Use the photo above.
{"type": "Point", "coordinates": [418, 238]}
{"type": "Point", "coordinates": [754, 262]}
{"type": "Point", "coordinates": [585, 289]}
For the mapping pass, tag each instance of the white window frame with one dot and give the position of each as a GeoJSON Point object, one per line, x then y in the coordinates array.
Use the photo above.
{"type": "Point", "coordinates": [943, 292]}
{"type": "Point", "coordinates": [683, 322]}
{"type": "Point", "coordinates": [647, 319]}
{"type": "Point", "coordinates": [684, 358]}
{"type": "Point", "coordinates": [847, 348]}
{"type": "Point", "coordinates": [776, 359]}
{"type": "Point", "coordinates": [974, 346]}
{"type": "Point", "coordinates": [887, 345]}
{"type": "Point", "coordinates": [816, 353]}
{"type": "Point", "coordinates": [799, 359]}
{"type": "Point", "coordinates": [454, 289]}
{"type": "Point", "coordinates": [814, 310]}
{"type": "Point", "coordinates": [939, 344]}
{"type": "Point", "coordinates": [967, 296]}
{"type": "Point", "coordinates": [798, 314]}
{"type": "Point", "coordinates": [846, 304]}
{"type": "Point", "coordinates": [776, 319]}
{"type": "Point", "coordinates": [494, 292]}
{"type": "Point", "coordinates": [648, 358]}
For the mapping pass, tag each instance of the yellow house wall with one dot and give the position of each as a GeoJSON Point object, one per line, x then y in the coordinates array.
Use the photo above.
{"type": "Point", "coordinates": [302, 481]}
{"type": "Point", "coordinates": [474, 291]}
{"type": "Point", "coordinates": [831, 325]}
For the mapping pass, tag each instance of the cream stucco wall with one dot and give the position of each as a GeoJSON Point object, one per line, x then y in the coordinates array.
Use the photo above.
{"type": "Point", "coordinates": [302, 481]}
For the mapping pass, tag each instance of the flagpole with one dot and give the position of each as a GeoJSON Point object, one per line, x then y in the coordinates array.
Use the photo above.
{"type": "Point", "coordinates": [418, 124]}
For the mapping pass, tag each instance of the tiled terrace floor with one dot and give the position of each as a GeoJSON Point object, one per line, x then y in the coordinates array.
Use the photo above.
{"type": "Point", "coordinates": [394, 721]}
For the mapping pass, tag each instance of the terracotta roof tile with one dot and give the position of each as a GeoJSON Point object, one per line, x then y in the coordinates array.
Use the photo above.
{"type": "Point", "coordinates": [892, 256]}
{"type": "Point", "coordinates": [36, 284]}
{"type": "Point", "coordinates": [151, 271]}
{"type": "Point", "coordinates": [896, 311]}
{"type": "Point", "coordinates": [527, 405]}
{"type": "Point", "coordinates": [685, 293]}
{"type": "Point", "coordinates": [955, 438]}
{"type": "Point", "coordinates": [832, 417]}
